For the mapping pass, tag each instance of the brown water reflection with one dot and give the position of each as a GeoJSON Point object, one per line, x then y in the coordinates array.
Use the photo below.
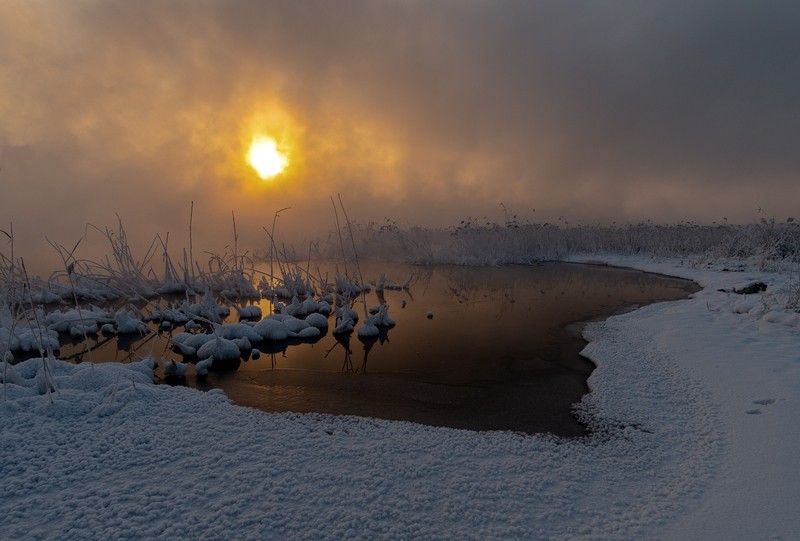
{"type": "Point", "coordinates": [497, 354]}
{"type": "Point", "coordinates": [500, 352]}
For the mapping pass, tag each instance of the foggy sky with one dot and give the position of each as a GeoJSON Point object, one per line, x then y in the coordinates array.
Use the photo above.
{"type": "Point", "coordinates": [422, 112]}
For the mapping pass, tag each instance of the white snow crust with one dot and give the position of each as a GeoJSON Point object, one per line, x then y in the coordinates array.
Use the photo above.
{"type": "Point", "coordinates": [693, 407]}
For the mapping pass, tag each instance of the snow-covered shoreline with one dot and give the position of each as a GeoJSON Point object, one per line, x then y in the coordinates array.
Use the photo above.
{"type": "Point", "coordinates": [693, 403]}
{"type": "Point", "coordinates": [742, 354]}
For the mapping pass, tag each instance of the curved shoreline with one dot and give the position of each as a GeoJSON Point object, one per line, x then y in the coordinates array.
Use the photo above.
{"type": "Point", "coordinates": [675, 454]}
{"type": "Point", "coordinates": [537, 401]}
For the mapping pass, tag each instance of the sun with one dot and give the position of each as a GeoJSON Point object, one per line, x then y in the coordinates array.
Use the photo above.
{"type": "Point", "coordinates": [265, 157]}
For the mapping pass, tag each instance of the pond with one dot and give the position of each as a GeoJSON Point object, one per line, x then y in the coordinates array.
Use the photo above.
{"type": "Point", "coordinates": [480, 348]}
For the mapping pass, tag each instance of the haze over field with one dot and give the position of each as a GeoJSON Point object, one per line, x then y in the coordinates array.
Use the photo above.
{"type": "Point", "coordinates": [423, 112]}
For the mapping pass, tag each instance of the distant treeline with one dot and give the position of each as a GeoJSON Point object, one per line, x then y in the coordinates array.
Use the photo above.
{"type": "Point", "coordinates": [474, 241]}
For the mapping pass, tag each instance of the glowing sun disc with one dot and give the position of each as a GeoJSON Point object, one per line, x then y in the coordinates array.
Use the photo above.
{"type": "Point", "coordinates": [265, 157]}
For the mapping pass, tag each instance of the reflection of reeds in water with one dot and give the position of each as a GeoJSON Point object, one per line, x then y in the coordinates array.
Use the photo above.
{"type": "Point", "coordinates": [126, 348]}
{"type": "Point", "coordinates": [343, 341]}
{"type": "Point", "coordinates": [497, 289]}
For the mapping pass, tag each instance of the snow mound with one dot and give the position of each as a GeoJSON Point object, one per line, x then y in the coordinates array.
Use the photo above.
{"type": "Point", "coordinates": [317, 320]}
{"type": "Point", "coordinates": [271, 329]}
{"type": "Point", "coordinates": [127, 323]}
{"type": "Point", "coordinates": [219, 348]}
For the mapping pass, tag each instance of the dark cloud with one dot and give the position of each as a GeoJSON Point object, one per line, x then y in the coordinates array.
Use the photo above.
{"type": "Point", "coordinates": [426, 112]}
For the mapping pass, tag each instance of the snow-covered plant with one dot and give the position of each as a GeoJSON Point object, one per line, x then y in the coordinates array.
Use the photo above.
{"type": "Point", "coordinates": [793, 286]}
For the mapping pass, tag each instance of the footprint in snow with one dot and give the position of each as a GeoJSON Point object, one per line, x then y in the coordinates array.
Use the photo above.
{"type": "Point", "coordinates": [764, 401]}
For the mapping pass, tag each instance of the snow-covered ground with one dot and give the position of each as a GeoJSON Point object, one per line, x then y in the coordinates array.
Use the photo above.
{"type": "Point", "coordinates": [694, 405]}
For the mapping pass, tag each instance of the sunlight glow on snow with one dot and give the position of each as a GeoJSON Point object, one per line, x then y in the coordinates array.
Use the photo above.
{"type": "Point", "coordinates": [265, 157]}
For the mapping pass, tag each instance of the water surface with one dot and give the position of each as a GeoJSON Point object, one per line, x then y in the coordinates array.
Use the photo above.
{"type": "Point", "coordinates": [481, 348]}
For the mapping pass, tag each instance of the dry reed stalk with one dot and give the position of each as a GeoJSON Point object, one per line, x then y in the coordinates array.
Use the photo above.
{"type": "Point", "coordinates": [355, 255]}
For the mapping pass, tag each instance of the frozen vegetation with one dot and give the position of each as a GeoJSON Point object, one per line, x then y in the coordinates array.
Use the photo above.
{"type": "Point", "coordinates": [513, 240]}
{"type": "Point", "coordinates": [692, 409]}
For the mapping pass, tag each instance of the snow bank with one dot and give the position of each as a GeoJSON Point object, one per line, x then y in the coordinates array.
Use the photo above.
{"type": "Point", "coordinates": [678, 450]}
{"type": "Point", "coordinates": [744, 363]}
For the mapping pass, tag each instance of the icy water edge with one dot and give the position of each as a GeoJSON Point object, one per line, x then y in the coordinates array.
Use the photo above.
{"type": "Point", "coordinates": [480, 348]}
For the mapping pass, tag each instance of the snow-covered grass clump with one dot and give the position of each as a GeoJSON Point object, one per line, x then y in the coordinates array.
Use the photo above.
{"type": "Point", "coordinates": [249, 312]}
{"type": "Point", "coordinates": [317, 320]}
{"type": "Point", "coordinates": [126, 322]}
{"type": "Point", "coordinates": [378, 318]}
{"type": "Point", "coordinates": [220, 349]}
{"type": "Point", "coordinates": [28, 338]}
{"type": "Point", "coordinates": [65, 321]}
{"type": "Point", "coordinates": [189, 343]}
{"type": "Point", "coordinates": [271, 329]}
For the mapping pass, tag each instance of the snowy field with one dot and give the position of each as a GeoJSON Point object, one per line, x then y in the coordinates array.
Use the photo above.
{"type": "Point", "coordinates": [694, 408]}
